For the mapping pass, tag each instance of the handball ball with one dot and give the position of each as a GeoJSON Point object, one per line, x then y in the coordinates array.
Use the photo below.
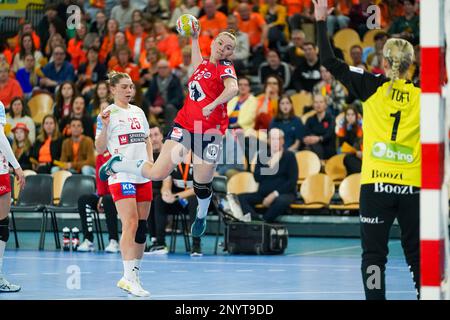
{"type": "Point", "coordinates": [187, 24]}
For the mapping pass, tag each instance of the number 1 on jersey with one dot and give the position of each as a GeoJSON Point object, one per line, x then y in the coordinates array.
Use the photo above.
{"type": "Point", "coordinates": [396, 116]}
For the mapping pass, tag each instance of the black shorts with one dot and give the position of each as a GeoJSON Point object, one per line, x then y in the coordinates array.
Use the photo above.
{"type": "Point", "coordinates": [207, 147]}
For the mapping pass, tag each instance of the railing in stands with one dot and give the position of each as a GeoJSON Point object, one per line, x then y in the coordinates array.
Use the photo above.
{"type": "Point", "coordinates": [34, 13]}
{"type": "Point", "coordinates": [9, 26]}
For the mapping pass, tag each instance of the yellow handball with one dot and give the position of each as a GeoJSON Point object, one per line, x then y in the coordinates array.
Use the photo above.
{"type": "Point", "coordinates": [187, 24]}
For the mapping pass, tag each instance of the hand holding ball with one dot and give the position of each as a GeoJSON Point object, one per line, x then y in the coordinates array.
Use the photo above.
{"type": "Point", "coordinates": [187, 25]}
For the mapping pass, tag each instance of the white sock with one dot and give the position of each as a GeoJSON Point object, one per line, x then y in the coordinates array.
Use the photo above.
{"type": "Point", "coordinates": [128, 266]}
{"type": "Point", "coordinates": [137, 264]}
{"type": "Point", "coordinates": [129, 166]}
{"type": "Point", "coordinates": [203, 205]}
{"type": "Point", "coordinates": [2, 252]}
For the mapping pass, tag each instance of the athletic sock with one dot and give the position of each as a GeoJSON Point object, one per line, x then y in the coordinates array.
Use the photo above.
{"type": "Point", "coordinates": [203, 205]}
{"type": "Point", "coordinates": [2, 252]}
{"type": "Point", "coordinates": [128, 266]}
{"type": "Point", "coordinates": [129, 166]}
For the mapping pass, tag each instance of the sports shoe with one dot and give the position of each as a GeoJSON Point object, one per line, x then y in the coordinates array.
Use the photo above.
{"type": "Point", "coordinates": [86, 246]}
{"type": "Point", "coordinates": [196, 250]}
{"type": "Point", "coordinates": [113, 246]}
{"type": "Point", "coordinates": [133, 286]}
{"type": "Point", "coordinates": [106, 169]}
{"type": "Point", "coordinates": [6, 286]}
{"type": "Point", "coordinates": [156, 249]}
{"type": "Point", "coordinates": [198, 227]}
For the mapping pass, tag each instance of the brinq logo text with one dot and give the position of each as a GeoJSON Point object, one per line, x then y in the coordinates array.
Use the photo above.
{"type": "Point", "coordinates": [392, 152]}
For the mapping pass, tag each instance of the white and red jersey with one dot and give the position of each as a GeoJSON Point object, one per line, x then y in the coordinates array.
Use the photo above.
{"type": "Point", "coordinates": [127, 131]}
{"type": "Point", "coordinates": [4, 167]}
{"type": "Point", "coordinates": [205, 85]}
{"type": "Point", "coordinates": [6, 153]}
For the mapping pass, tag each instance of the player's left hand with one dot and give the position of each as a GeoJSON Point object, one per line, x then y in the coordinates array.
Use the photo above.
{"type": "Point", "coordinates": [321, 10]}
{"type": "Point", "coordinates": [208, 110]}
{"type": "Point", "coordinates": [20, 177]}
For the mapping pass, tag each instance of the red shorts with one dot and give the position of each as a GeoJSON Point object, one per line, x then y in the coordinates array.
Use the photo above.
{"type": "Point", "coordinates": [142, 192]}
{"type": "Point", "coordinates": [5, 184]}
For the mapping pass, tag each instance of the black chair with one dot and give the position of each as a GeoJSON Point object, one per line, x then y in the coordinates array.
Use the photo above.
{"type": "Point", "coordinates": [37, 194]}
{"type": "Point", "coordinates": [219, 186]}
{"type": "Point", "coordinates": [74, 187]}
{"type": "Point", "coordinates": [180, 216]}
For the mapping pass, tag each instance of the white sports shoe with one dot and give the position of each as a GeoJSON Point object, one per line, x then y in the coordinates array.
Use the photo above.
{"type": "Point", "coordinates": [86, 246]}
{"type": "Point", "coordinates": [6, 286]}
{"type": "Point", "coordinates": [133, 286]}
{"type": "Point", "coordinates": [113, 246]}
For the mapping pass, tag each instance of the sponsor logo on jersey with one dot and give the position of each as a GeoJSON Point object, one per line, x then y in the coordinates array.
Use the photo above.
{"type": "Point", "coordinates": [207, 75]}
{"type": "Point", "coordinates": [196, 92]}
{"type": "Point", "coordinates": [370, 220]}
{"type": "Point", "coordinates": [229, 71]}
{"type": "Point", "coordinates": [380, 187]}
{"type": "Point", "coordinates": [225, 62]}
{"type": "Point", "coordinates": [387, 174]}
{"type": "Point", "coordinates": [131, 138]}
{"type": "Point", "coordinates": [128, 189]}
{"type": "Point", "coordinates": [212, 151]}
{"type": "Point", "coordinates": [392, 152]}
{"type": "Point", "coordinates": [176, 134]}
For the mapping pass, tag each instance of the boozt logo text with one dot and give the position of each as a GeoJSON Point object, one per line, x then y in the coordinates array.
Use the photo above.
{"type": "Point", "coordinates": [370, 220]}
{"type": "Point", "coordinates": [389, 188]}
{"type": "Point", "coordinates": [387, 174]}
{"type": "Point", "coordinates": [392, 152]}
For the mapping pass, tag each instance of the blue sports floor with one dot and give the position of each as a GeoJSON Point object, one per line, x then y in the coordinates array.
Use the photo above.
{"type": "Point", "coordinates": [311, 269]}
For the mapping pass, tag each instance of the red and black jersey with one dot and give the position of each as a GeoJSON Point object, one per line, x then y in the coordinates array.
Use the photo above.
{"type": "Point", "coordinates": [205, 85]}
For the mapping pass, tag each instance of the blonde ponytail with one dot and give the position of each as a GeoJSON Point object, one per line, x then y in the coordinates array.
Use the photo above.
{"type": "Point", "coordinates": [399, 54]}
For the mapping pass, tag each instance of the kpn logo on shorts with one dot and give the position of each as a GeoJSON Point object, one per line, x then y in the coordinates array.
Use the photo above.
{"type": "Point", "coordinates": [392, 152]}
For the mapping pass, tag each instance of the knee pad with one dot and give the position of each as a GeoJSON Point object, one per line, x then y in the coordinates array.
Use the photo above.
{"type": "Point", "coordinates": [141, 232]}
{"type": "Point", "coordinates": [4, 229]}
{"type": "Point", "coordinates": [203, 190]}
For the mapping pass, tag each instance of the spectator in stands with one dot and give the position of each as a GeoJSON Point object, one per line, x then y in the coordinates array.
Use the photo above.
{"type": "Point", "coordinates": [275, 17]}
{"type": "Point", "coordinates": [58, 71]}
{"type": "Point", "coordinates": [26, 46]}
{"type": "Point", "coordinates": [157, 9]}
{"type": "Point", "coordinates": [277, 177]}
{"type": "Point", "coordinates": [319, 130]}
{"type": "Point", "coordinates": [27, 76]}
{"type": "Point", "coordinates": [178, 185]}
{"type": "Point", "coordinates": [99, 26]}
{"type": "Point", "coordinates": [50, 19]}
{"type": "Point", "coordinates": [255, 26]}
{"type": "Point", "coordinates": [25, 28]}
{"type": "Point", "coordinates": [101, 95]}
{"type": "Point", "coordinates": [295, 54]}
{"type": "Point", "coordinates": [186, 6]}
{"type": "Point", "coordinates": [64, 97]}
{"type": "Point", "coordinates": [151, 69]}
{"type": "Point", "coordinates": [185, 70]}
{"type": "Point", "coordinates": [356, 53]}
{"type": "Point", "coordinates": [375, 59]}
{"type": "Point", "coordinates": [112, 27]}
{"type": "Point", "coordinates": [212, 23]}
{"type": "Point", "coordinates": [242, 50]}
{"type": "Point", "coordinates": [407, 26]}
{"type": "Point", "coordinates": [78, 151]}
{"type": "Point", "coordinates": [122, 13]}
{"type": "Point", "coordinates": [135, 38]}
{"type": "Point", "coordinates": [274, 66]}
{"type": "Point", "coordinates": [100, 202]}
{"type": "Point", "coordinates": [78, 112]}
{"type": "Point", "coordinates": [75, 46]}
{"type": "Point", "coordinates": [165, 94]}
{"type": "Point", "coordinates": [90, 73]}
{"type": "Point", "coordinates": [338, 19]}
{"type": "Point", "coordinates": [5, 52]}
{"type": "Point", "coordinates": [349, 133]}
{"type": "Point", "coordinates": [156, 137]}
{"type": "Point", "coordinates": [242, 108]}
{"type": "Point", "coordinates": [333, 89]}
{"type": "Point", "coordinates": [358, 14]}
{"type": "Point", "coordinates": [307, 73]}
{"type": "Point", "coordinates": [167, 43]}
{"type": "Point", "coordinates": [149, 44]}
{"type": "Point", "coordinates": [21, 145]}
{"type": "Point", "coordinates": [267, 103]}
{"type": "Point", "coordinates": [54, 40]}
{"type": "Point", "coordinates": [9, 87]}
{"type": "Point", "coordinates": [48, 146]}
{"type": "Point", "coordinates": [125, 65]}
{"type": "Point", "coordinates": [120, 41]}
{"type": "Point", "coordinates": [291, 125]}
{"type": "Point", "coordinates": [19, 113]}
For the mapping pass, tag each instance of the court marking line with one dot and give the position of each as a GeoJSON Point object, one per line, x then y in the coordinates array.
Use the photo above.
{"type": "Point", "coordinates": [204, 262]}
{"type": "Point", "coordinates": [322, 251]}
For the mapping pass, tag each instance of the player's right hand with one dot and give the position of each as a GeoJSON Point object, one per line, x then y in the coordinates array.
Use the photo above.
{"type": "Point", "coordinates": [105, 117]}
